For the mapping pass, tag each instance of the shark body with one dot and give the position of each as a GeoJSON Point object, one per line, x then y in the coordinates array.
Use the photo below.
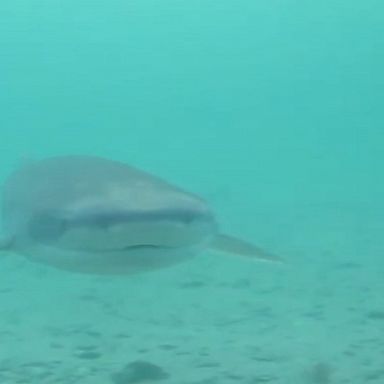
{"type": "Point", "coordinates": [94, 215]}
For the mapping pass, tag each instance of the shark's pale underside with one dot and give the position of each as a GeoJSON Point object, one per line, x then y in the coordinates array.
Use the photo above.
{"type": "Point", "coordinates": [93, 215]}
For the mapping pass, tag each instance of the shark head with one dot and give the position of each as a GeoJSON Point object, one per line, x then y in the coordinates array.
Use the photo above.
{"type": "Point", "coordinates": [93, 215]}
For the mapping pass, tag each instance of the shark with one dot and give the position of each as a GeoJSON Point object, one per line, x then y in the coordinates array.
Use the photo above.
{"type": "Point", "coordinates": [94, 215]}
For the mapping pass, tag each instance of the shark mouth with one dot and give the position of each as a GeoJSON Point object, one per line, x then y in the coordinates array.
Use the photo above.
{"type": "Point", "coordinates": [128, 232]}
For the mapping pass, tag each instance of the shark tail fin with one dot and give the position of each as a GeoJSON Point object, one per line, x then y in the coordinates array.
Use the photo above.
{"type": "Point", "coordinates": [231, 244]}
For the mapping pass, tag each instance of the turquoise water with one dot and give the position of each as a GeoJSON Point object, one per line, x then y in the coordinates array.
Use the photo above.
{"type": "Point", "coordinates": [272, 110]}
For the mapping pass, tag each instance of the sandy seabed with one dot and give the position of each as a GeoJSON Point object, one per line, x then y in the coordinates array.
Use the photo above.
{"type": "Point", "coordinates": [316, 319]}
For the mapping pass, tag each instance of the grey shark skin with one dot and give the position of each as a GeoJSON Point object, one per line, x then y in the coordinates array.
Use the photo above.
{"type": "Point", "coordinates": [93, 215]}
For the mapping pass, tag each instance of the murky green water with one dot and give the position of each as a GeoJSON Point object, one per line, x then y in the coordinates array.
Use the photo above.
{"type": "Point", "coordinates": [273, 111]}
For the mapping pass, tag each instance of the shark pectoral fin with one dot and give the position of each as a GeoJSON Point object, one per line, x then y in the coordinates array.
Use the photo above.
{"type": "Point", "coordinates": [230, 244]}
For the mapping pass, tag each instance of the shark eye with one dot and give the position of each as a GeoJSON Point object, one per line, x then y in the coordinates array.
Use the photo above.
{"type": "Point", "coordinates": [46, 227]}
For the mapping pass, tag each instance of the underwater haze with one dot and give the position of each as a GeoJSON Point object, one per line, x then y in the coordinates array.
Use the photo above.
{"type": "Point", "coordinates": [272, 110]}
